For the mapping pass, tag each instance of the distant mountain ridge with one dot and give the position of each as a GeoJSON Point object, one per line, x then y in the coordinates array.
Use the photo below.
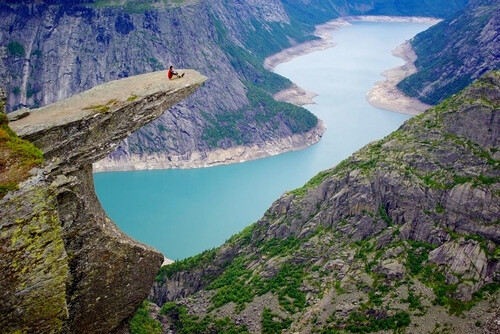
{"type": "Point", "coordinates": [53, 49]}
{"type": "Point", "coordinates": [455, 52]}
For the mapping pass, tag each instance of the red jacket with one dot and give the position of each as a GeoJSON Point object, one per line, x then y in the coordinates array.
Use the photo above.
{"type": "Point", "coordinates": [170, 74]}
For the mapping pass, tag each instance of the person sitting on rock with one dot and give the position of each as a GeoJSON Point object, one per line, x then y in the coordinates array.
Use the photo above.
{"type": "Point", "coordinates": [171, 73]}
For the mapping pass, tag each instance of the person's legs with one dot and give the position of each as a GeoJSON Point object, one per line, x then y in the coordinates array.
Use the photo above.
{"type": "Point", "coordinates": [177, 75]}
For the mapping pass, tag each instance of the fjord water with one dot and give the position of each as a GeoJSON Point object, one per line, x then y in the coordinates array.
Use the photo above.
{"type": "Point", "coordinates": [183, 212]}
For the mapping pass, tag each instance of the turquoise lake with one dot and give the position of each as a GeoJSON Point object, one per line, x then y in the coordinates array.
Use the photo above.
{"type": "Point", "coordinates": [183, 212]}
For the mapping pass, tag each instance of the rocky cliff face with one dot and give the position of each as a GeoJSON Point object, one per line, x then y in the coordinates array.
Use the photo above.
{"type": "Point", "coordinates": [455, 52]}
{"type": "Point", "coordinates": [53, 49]}
{"type": "Point", "coordinates": [403, 234]}
{"type": "Point", "coordinates": [65, 266]}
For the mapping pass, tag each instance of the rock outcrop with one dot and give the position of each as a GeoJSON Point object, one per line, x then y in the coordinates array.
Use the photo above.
{"type": "Point", "coordinates": [403, 234]}
{"type": "Point", "coordinates": [65, 266]}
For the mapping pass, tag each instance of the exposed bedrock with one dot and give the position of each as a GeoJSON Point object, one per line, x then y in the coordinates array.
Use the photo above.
{"type": "Point", "coordinates": [65, 266]}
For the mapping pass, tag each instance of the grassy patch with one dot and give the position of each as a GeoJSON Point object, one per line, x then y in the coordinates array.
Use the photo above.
{"type": "Point", "coordinates": [445, 292]}
{"type": "Point", "coordinates": [231, 285]}
{"type": "Point", "coordinates": [272, 323]}
{"type": "Point", "coordinates": [263, 110]}
{"type": "Point", "coordinates": [191, 263]}
{"type": "Point", "coordinates": [384, 215]}
{"type": "Point", "coordinates": [286, 284]}
{"type": "Point", "coordinates": [142, 323]}
{"type": "Point", "coordinates": [102, 107]}
{"type": "Point", "coordinates": [413, 301]}
{"type": "Point", "coordinates": [312, 183]}
{"type": "Point", "coordinates": [186, 323]}
{"type": "Point", "coordinates": [417, 254]}
{"type": "Point", "coordinates": [240, 285]}
{"type": "Point", "coordinates": [17, 157]}
{"type": "Point", "coordinates": [98, 107]}
{"type": "Point", "coordinates": [16, 49]}
{"type": "Point", "coordinates": [368, 322]}
{"type": "Point", "coordinates": [276, 246]}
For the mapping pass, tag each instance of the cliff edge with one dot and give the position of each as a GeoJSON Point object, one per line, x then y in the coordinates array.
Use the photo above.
{"type": "Point", "coordinates": [65, 266]}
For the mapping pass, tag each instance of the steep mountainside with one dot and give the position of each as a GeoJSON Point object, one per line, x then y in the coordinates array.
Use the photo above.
{"type": "Point", "coordinates": [319, 11]}
{"type": "Point", "coordinates": [455, 52]}
{"type": "Point", "coordinates": [53, 49]}
{"type": "Point", "coordinates": [404, 234]}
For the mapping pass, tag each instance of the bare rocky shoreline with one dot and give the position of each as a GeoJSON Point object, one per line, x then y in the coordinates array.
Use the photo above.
{"type": "Point", "coordinates": [384, 95]}
{"type": "Point", "coordinates": [216, 157]}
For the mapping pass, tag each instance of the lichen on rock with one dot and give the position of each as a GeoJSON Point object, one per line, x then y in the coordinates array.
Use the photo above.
{"type": "Point", "coordinates": [65, 266]}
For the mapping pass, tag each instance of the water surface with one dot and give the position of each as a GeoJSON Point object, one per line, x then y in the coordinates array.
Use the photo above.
{"type": "Point", "coordinates": [183, 212]}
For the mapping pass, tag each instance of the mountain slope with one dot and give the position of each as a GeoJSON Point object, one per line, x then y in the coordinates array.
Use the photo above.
{"type": "Point", "coordinates": [54, 49]}
{"type": "Point", "coordinates": [403, 234]}
{"type": "Point", "coordinates": [455, 52]}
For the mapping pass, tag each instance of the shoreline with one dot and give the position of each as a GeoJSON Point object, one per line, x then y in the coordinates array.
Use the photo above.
{"type": "Point", "coordinates": [384, 94]}
{"type": "Point", "coordinates": [216, 157]}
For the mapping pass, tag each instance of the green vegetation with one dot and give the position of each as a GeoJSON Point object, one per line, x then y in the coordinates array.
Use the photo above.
{"type": "Point", "coordinates": [263, 109]}
{"type": "Point", "coordinates": [286, 284]}
{"type": "Point", "coordinates": [367, 322]}
{"type": "Point", "coordinates": [231, 285]}
{"type": "Point", "coordinates": [18, 157]}
{"type": "Point", "coordinates": [437, 61]}
{"type": "Point", "coordinates": [223, 127]}
{"type": "Point", "coordinates": [299, 119]}
{"type": "Point", "coordinates": [276, 246]}
{"type": "Point", "coordinates": [260, 84]}
{"type": "Point", "coordinates": [99, 108]}
{"type": "Point", "coordinates": [273, 37]}
{"type": "Point", "coordinates": [137, 6]}
{"type": "Point", "coordinates": [37, 53]}
{"type": "Point", "coordinates": [131, 98]}
{"type": "Point", "coordinates": [313, 183]}
{"type": "Point", "coordinates": [16, 49]}
{"type": "Point", "coordinates": [243, 238]}
{"type": "Point", "coordinates": [444, 291]}
{"type": "Point", "coordinates": [186, 323]}
{"type": "Point", "coordinates": [384, 215]}
{"type": "Point", "coordinates": [413, 301]}
{"type": "Point", "coordinates": [253, 71]}
{"type": "Point", "coordinates": [103, 107]}
{"type": "Point", "coordinates": [363, 248]}
{"type": "Point", "coordinates": [250, 64]}
{"type": "Point", "coordinates": [191, 263]}
{"type": "Point", "coordinates": [417, 254]}
{"type": "Point", "coordinates": [272, 323]}
{"type": "Point", "coordinates": [239, 285]}
{"type": "Point", "coordinates": [142, 323]}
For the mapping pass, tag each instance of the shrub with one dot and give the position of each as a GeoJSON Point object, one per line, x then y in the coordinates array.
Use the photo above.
{"type": "Point", "coordinates": [271, 325]}
{"type": "Point", "coordinates": [16, 49]}
{"type": "Point", "coordinates": [142, 323]}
